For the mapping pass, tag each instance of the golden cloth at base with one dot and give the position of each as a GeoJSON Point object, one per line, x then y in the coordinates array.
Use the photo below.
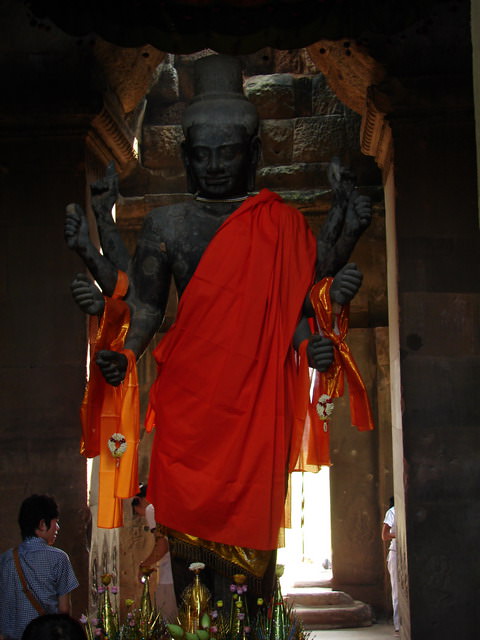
{"type": "Point", "coordinates": [223, 558]}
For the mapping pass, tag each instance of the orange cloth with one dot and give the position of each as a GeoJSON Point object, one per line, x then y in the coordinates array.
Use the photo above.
{"type": "Point", "coordinates": [223, 397]}
{"type": "Point", "coordinates": [310, 447]}
{"type": "Point", "coordinates": [331, 383]}
{"type": "Point", "coordinates": [310, 441]}
{"type": "Point", "coordinates": [107, 410]}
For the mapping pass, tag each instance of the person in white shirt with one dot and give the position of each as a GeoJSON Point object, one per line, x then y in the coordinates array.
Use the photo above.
{"type": "Point", "coordinates": [389, 534]}
{"type": "Point", "coordinates": [159, 556]}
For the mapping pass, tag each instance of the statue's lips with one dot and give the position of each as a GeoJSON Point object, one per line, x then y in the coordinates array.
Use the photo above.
{"type": "Point", "coordinates": [217, 181]}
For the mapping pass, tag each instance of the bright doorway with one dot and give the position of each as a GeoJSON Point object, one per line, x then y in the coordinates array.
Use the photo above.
{"type": "Point", "coordinates": [307, 554]}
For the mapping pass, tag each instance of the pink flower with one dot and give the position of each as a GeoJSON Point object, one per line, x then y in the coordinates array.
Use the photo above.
{"type": "Point", "coordinates": [95, 622]}
{"type": "Point", "coordinates": [241, 616]}
{"type": "Point", "coordinates": [101, 589]}
{"type": "Point", "coordinates": [214, 614]}
{"type": "Point", "coordinates": [214, 629]}
{"type": "Point", "coordinates": [114, 590]}
{"type": "Point", "coordinates": [233, 588]}
{"type": "Point", "coordinates": [239, 590]}
{"type": "Point", "coordinates": [247, 629]}
{"type": "Point", "coordinates": [98, 632]}
{"type": "Point", "coordinates": [132, 623]}
{"type": "Point", "coordinates": [83, 619]}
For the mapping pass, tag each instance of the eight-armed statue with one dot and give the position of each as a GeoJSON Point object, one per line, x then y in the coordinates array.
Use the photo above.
{"type": "Point", "coordinates": [243, 266]}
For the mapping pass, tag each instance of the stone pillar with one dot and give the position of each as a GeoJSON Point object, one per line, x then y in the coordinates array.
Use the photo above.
{"type": "Point", "coordinates": [438, 291]}
{"type": "Point", "coordinates": [43, 335]}
{"type": "Point", "coordinates": [59, 127]}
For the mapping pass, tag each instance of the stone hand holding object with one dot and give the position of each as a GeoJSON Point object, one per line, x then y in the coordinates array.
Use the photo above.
{"type": "Point", "coordinates": [113, 366]}
{"type": "Point", "coordinates": [319, 352]}
{"type": "Point", "coordinates": [346, 284]}
{"type": "Point", "coordinates": [88, 297]}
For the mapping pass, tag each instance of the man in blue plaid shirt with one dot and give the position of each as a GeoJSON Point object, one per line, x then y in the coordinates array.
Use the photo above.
{"type": "Point", "coordinates": [47, 571]}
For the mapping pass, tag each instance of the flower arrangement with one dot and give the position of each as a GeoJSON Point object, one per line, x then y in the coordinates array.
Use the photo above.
{"type": "Point", "coordinates": [275, 622]}
{"type": "Point", "coordinates": [325, 407]}
{"type": "Point", "coordinates": [117, 445]}
{"type": "Point", "coordinates": [143, 623]}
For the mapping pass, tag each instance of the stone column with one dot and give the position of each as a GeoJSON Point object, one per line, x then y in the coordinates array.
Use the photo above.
{"type": "Point", "coordinates": [439, 366]}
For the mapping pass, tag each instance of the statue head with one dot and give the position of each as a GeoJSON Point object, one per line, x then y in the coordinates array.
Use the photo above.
{"type": "Point", "coordinates": [221, 147]}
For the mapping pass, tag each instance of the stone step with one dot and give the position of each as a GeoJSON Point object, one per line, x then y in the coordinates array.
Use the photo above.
{"type": "Point", "coordinates": [321, 608]}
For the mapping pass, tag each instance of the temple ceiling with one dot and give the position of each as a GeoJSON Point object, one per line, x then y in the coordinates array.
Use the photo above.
{"type": "Point", "coordinates": [234, 26]}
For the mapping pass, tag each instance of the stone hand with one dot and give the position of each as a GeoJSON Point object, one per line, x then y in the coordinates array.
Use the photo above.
{"type": "Point", "coordinates": [346, 284]}
{"type": "Point", "coordinates": [113, 366]}
{"type": "Point", "coordinates": [319, 352]}
{"type": "Point", "coordinates": [341, 179]}
{"type": "Point", "coordinates": [88, 297]}
{"type": "Point", "coordinates": [359, 214]}
{"type": "Point", "coordinates": [104, 192]}
{"type": "Point", "coordinates": [76, 228]}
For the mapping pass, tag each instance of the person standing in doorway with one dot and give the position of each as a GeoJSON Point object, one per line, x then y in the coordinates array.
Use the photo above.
{"type": "Point", "coordinates": [389, 535]}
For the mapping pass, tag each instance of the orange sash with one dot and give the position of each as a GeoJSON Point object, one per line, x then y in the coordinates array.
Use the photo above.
{"type": "Point", "coordinates": [310, 441]}
{"type": "Point", "coordinates": [108, 410]}
{"type": "Point", "coordinates": [331, 383]}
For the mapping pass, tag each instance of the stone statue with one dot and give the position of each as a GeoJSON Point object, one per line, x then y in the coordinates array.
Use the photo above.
{"type": "Point", "coordinates": [242, 267]}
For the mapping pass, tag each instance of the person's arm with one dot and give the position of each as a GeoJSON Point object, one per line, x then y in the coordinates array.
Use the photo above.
{"type": "Point", "coordinates": [160, 548]}
{"type": "Point", "coordinates": [387, 534]}
{"type": "Point", "coordinates": [65, 604]}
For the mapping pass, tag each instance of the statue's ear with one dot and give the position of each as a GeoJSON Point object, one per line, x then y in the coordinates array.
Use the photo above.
{"type": "Point", "coordinates": [191, 182]}
{"type": "Point", "coordinates": [254, 158]}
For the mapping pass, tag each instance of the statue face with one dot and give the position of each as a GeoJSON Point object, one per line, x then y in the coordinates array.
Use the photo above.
{"type": "Point", "coordinates": [218, 159]}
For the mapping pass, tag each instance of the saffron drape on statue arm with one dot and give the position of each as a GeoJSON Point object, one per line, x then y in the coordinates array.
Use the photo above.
{"type": "Point", "coordinates": [107, 410]}
{"type": "Point", "coordinates": [310, 441]}
{"type": "Point", "coordinates": [222, 398]}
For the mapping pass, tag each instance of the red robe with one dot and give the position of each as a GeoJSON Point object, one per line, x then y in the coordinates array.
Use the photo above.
{"type": "Point", "coordinates": [224, 391]}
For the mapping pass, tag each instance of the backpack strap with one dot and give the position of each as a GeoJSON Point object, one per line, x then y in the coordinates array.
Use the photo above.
{"type": "Point", "coordinates": [34, 602]}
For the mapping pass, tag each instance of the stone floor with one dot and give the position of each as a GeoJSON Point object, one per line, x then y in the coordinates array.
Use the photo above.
{"type": "Point", "coordinates": [380, 631]}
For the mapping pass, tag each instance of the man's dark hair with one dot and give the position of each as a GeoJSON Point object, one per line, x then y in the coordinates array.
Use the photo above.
{"type": "Point", "coordinates": [54, 626]}
{"type": "Point", "coordinates": [33, 510]}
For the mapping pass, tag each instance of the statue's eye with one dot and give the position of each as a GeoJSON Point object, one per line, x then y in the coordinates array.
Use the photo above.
{"type": "Point", "coordinates": [200, 153]}
{"type": "Point", "coordinates": [228, 152]}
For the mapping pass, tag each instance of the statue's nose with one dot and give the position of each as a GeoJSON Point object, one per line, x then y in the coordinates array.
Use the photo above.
{"type": "Point", "coordinates": [214, 165]}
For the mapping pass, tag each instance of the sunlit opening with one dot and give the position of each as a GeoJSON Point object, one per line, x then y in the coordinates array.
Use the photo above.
{"type": "Point", "coordinates": [308, 548]}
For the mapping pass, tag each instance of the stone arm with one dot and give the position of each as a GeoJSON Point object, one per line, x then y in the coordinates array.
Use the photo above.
{"type": "Point", "coordinates": [78, 239]}
{"type": "Point", "coordinates": [150, 277]}
{"type": "Point", "coordinates": [103, 266]}
{"type": "Point", "coordinates": [104, 194]}
{"type": "Point", "coordinates": [348, 218]}
{"type": "Point", "coordinates": [320, 349]}
{"type": "Point", "coordinates": [357, 219]}
{"type": "Point", "coordinates": [341, 183]}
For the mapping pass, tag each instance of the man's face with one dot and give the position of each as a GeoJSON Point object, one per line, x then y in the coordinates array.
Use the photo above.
{"type": "Point", "coordinates": [48, 533]}
{"type": "Point", "coordinates": [218, 158]}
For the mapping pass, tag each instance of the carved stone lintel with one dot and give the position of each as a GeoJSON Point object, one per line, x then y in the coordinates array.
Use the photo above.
{"type": "Point", "coordinates": [109, 139]}
{"type": "Point", "coordinates": [376, 134]}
